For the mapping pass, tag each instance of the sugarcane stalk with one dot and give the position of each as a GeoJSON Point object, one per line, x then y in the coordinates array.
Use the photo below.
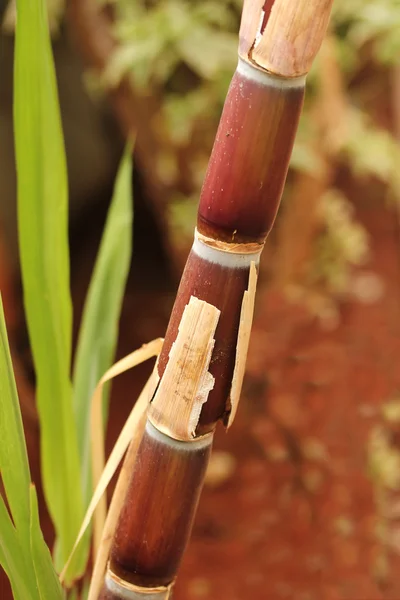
{"type": "Point", "coordinates": [201, 365]}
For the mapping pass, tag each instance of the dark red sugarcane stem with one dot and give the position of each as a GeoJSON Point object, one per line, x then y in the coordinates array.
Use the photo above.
{"type": "Point", "coordinates": [149, 541]}
{"type": "Point", "coordinates": [152, 533]}
{"type": "Point", "coordinates": [250, 158]}
{"type": "Point", "coordinates": [238, 203]}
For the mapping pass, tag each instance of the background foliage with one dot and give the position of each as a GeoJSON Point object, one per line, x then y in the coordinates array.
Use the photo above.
{"type": "Point", "coordinates": [182, 54]}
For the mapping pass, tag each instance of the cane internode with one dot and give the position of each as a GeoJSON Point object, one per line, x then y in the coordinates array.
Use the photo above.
{"type": "Point", "coordinates": [250, 158]}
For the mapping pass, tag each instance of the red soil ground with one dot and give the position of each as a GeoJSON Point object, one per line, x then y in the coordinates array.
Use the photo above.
{"type": "Point", "coordinates": [300, 518]}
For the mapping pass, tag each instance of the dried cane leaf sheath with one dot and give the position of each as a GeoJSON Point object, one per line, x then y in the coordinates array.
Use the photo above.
{"type": "Point", "coordinates": [202, 362]}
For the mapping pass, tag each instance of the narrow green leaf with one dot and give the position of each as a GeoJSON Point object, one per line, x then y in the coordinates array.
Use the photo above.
{"type": "Point", "coordinates": [99, 327]}
{"type": "Point", "coordinates": [46, 578]}
{"type": "Point", "coordinates": [85, 589]}
{"type": "Point", "coordinates": [12, 559]}
{"type": "Point", "coordinates": [43, 238]}
{"type": "Point", "coordinates": [14, 467]}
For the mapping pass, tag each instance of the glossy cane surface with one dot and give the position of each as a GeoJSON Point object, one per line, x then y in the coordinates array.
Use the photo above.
{"type": "Point", "coordinates": [250, 158]}
{"type": "Point", "coordinates": [156, 520]}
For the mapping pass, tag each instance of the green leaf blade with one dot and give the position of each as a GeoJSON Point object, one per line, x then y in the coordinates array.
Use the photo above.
{"type": "Point", "coordinates": [13, 559]}
{"type": "Point", "coordinates": [46, 578]}
{"type": "Point", "coordinates": [99, 328]}
{"type": "Point", "coordinates": [44, 254]}
{"type": "Point", "coordinates": [14, 467]}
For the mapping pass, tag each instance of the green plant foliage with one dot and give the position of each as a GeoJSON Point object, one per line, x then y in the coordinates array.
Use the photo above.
{"type": "Point", "coordinates": [374, 22]}
{"type": "Point", "coordinates": [154, 41]}
{"type": "Point", "coordinates": [43, 239]}
{"type": "Point", "coordinates": [99, 328]}
{"type": "Point", "coordinates": [46, 578]}
{"type": "Point", "coordinates": [14, 467]}
{"type": "Point", "coordinates": [12, 559]}
{"type": "Point", "coordinates": [343, 243]}
{"type": "Point", "coordinates": [182, 54]}
{"type": "Point", "coordinates": [373, 151]}
{"type": "Point", "coordinates": [23, 553]}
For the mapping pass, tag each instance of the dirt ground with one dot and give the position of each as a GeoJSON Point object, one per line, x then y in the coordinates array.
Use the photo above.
{"type": "Point", "coordinates": [297, 513]}
{"type": "Point", "coordinates": [302, 516]}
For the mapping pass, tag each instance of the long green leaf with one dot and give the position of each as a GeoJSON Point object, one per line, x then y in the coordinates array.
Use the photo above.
{"type": "Point", "coordinates": [13, 559]}
{"type": "Point", "coordinates": [43, 239]}
{"type": "Point", "coordinates": [46, 578]}
{"type": "Point", "coordinates": [14, 467]}
{"type": "Point", "coordinates": [99, 327]}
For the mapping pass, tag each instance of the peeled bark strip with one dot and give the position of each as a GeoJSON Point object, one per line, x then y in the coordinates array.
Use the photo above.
{"type": "Point", "coordinates": [246, 321]}
{"type": "Point", "coordinates": [186, 383]}
{"type": "Point", "coordinates": [221, 284]}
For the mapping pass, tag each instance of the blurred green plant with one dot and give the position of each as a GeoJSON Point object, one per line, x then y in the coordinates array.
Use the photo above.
{"type": "Point", "coordinates": [368, 22]}
{"type": "Point", "coordinates": [344, 244]}
{"type": "Point", "coordinates": [181, 54]}
{"type": "Point", "coordinates": [23, 553]}
{"type": "Point", "coordinates": [98, 332]}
